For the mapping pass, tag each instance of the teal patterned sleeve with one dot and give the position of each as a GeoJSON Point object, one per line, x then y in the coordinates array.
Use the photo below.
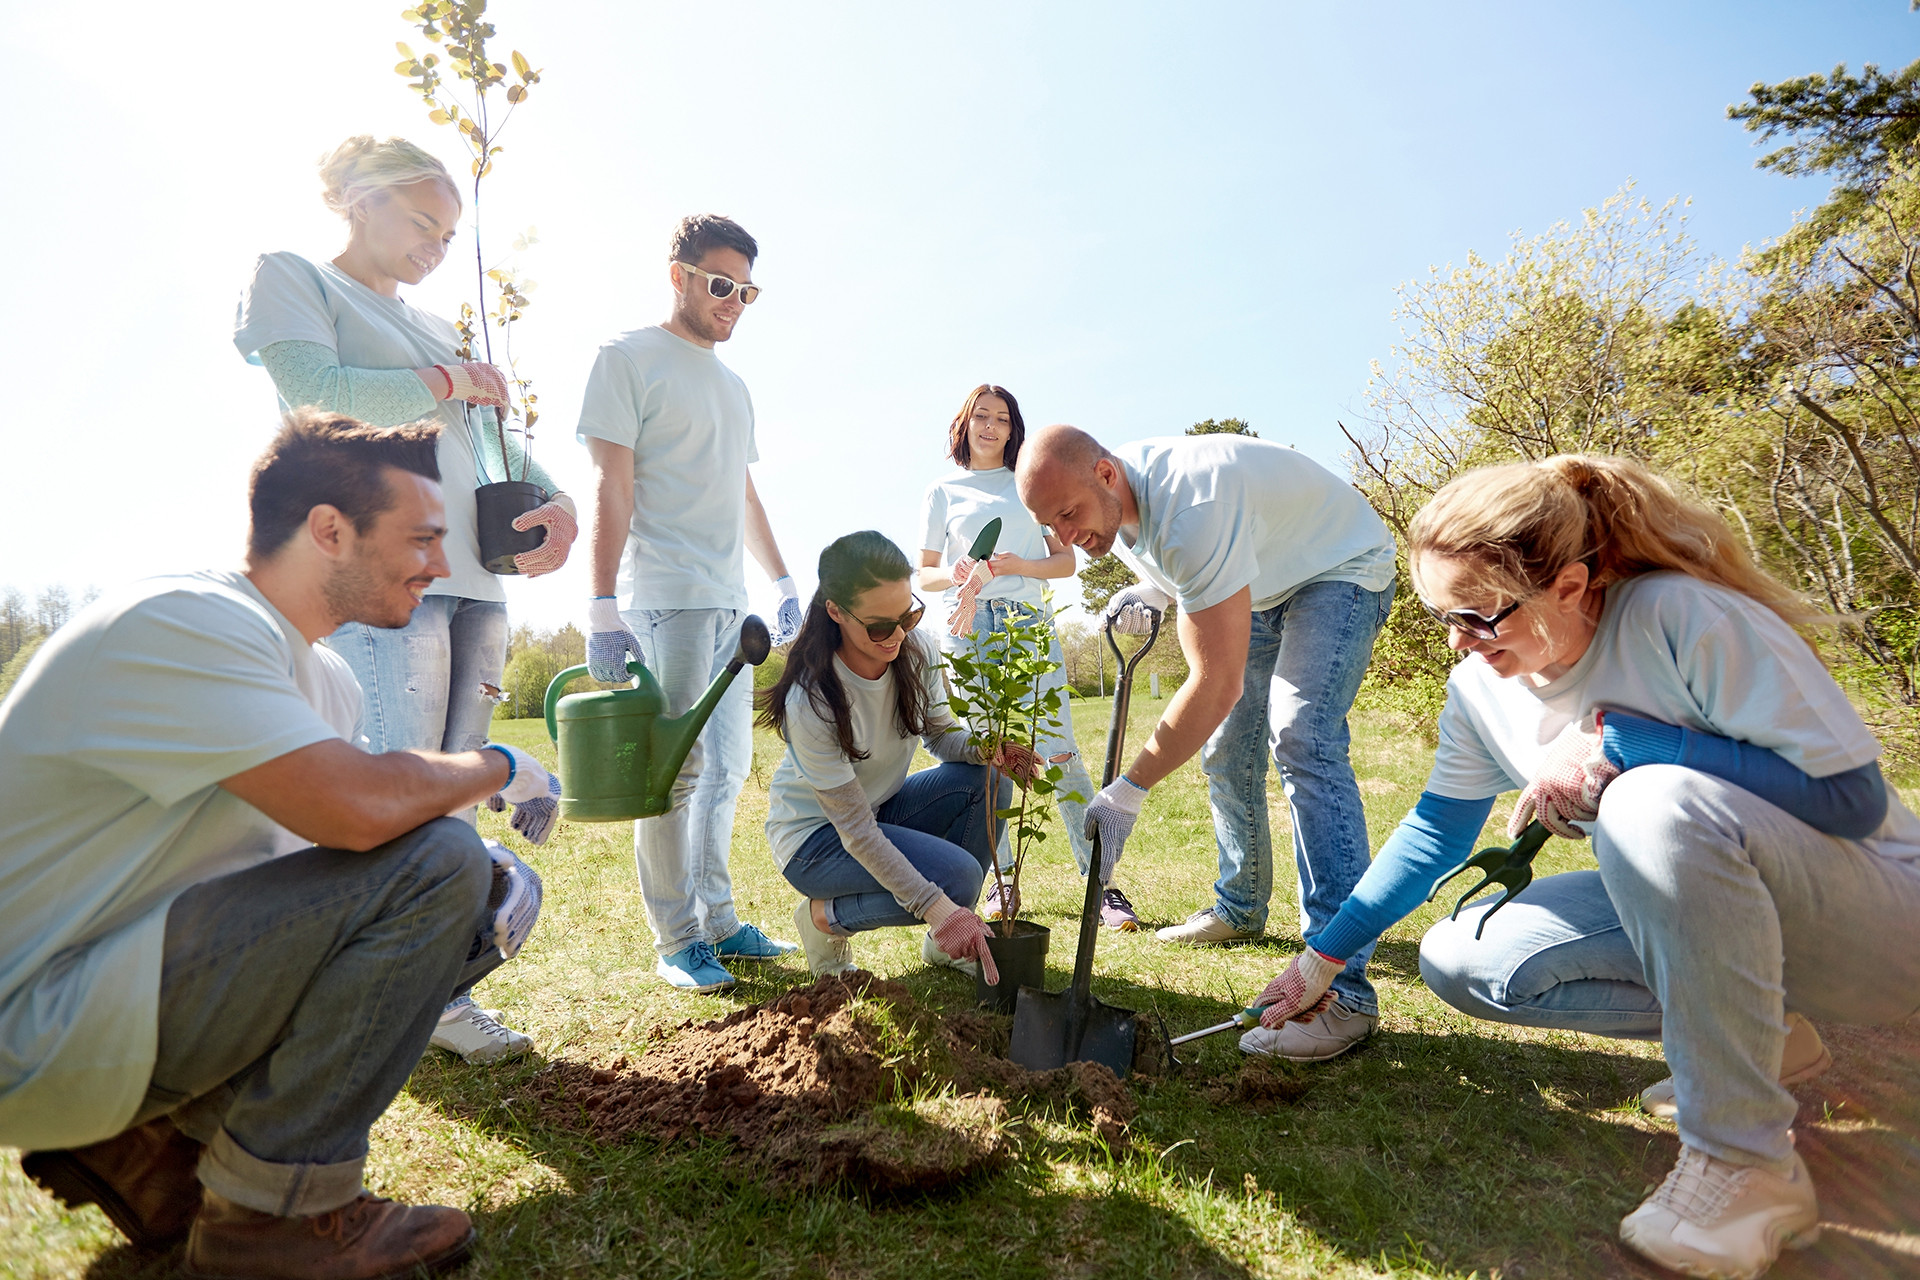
{"type": "Point", "coordinates": [310, 373]}
{"type": "Point", "coordinates": [523, 468]}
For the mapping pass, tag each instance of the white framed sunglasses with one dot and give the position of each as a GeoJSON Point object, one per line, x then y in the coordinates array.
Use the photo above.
{"type": "Point", "coordinates": [722, 287]}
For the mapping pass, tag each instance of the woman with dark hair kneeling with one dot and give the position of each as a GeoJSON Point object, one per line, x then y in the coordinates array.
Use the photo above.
{"type": "Point", "coordinates": [867, 844]}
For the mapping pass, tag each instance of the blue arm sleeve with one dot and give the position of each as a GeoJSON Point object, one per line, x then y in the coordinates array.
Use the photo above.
{"type": "Point", "coordinates": [1851, 805]}
{"type": "Point", "coordinates": [1432, 840]}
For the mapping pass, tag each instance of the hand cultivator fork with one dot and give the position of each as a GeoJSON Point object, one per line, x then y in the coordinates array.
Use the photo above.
{"type": "Point", "coordinates": [1509, 865]}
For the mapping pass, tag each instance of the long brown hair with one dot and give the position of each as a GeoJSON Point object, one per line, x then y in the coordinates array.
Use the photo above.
{"type": "Point", "coordinates": [958, 447]}
{"type": "Point", "coordinates": [848, 566]}
{"type": "Point", "coordinates": [1513, 528]}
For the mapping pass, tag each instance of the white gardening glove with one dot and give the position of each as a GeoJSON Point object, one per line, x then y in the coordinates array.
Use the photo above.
{"type": "Point", "coordinates": [961, 934]}
{"type": "Point", "coordinates": [1302, 990]}
{"type": "Point", "coordinates": [972, 576]}
{"type": "Point", "coordinates": [609, 642]}
{"type": "Point", "coordinates": [1111, 815]}
{"type": "Point", "coordinates": [527, 778]}
{"type": "Point", "coordinates": [534, 818]}
{"type": "Point", "coordinates": [480, 384]}
{"type": "Point", "coordinates": [519, 890]}
{"type": "Point", "coordinates": [787, 618]}
{"type": "Point", "coordinates": [1567, 787]}
{"type": "Point", "coordinates": [1131, 609]}
{"type": "Point", "coordinates": [562, 527]}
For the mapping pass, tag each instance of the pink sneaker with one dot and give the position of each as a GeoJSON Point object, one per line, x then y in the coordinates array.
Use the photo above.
{"type": "Point", "coordinates": [991, 906]}
{"type": "Point", "coordinates": [1116, 912]}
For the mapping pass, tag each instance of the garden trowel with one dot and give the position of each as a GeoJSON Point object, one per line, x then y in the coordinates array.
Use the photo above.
{"type": "Point", "coordinates": [967, 601]}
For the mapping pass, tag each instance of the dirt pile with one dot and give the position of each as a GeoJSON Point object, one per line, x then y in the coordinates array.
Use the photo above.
{"type": "Point", "coordinates": [846, 1079]}
{"type": "Point", "coordinates": [1262, 1084]}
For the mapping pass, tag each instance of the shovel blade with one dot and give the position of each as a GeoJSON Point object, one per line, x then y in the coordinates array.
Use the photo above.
{"type": "Point", "coordinates": [1043, 1030]}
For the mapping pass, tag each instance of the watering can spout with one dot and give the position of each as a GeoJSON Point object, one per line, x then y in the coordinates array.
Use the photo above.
{"type": "Point", "coordinates": [674, 738]}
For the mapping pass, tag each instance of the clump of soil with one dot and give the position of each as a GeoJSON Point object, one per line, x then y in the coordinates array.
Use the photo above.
{"type": "Point", "coordinates": [846, 1079]}
{"type": "Point", "coordinates": [1261, 1085]}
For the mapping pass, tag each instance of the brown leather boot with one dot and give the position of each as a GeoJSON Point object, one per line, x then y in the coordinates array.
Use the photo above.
{"type": "Point", "coordinates": [143, 1180]}
{"type": "Point", "coordinates": [370, 1239]}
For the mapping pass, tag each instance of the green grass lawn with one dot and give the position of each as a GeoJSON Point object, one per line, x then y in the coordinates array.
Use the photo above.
{"type": "Point", "coordinates": [1443, 1147]}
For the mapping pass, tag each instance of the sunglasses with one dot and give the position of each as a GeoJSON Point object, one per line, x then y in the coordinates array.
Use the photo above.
{"type": "Point", "coordinates": [1471, 622]}
{"type": "Point", "coordinates": [878, 631]}
{"type": "Point", "coordinates": [723, 286]}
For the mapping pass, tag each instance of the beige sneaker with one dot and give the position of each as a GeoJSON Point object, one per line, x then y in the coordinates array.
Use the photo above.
{"type": "Point", "coordinates": [1727, 1221]}
{"type": "Point", "coordinates": [1325, 1035]}
{"type": "Point", "coordinates": [826, 952]}
{"type": "Point", "coordinates": [1203, 929]}
{"type": "Point", "coordinates": [1803, 1058]}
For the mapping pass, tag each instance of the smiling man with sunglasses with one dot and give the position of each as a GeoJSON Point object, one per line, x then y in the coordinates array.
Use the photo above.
{"type": "Point", "coordinates": [670, 430]}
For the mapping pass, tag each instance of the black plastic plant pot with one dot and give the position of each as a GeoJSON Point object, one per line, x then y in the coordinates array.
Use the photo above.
{"type": "Point", "coordinates": [498, 506]}
{"type": "Point", "coordinates": [1021, 960]}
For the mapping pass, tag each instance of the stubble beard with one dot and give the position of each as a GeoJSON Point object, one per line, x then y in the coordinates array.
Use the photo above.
{"type": "Point", "coordinates": [353, 594]}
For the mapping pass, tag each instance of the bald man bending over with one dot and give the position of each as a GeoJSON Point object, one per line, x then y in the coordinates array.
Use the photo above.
{"type": "Point", "coordinates": [1284, 576]}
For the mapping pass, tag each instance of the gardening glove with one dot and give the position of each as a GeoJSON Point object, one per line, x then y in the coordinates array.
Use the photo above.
{"type": "Point", "coordinates": [962, 935]}
{"type": "Point", "coordinates": [786, 619]}
{"type": "Point", "coordinates": [514, 902]}
{"type": "Point", "coordinates": [562, 528]}
{"type": "Point", "coordinates": [609, 643]}
{"type": "Point", "coordinates": [480, 384]}
{"type": "Point", "coordinates": [1130, 612]}
{"type": "Point", "coordinates": [534, 818]}
{"type": "Point", "coordinates": [972, 575]}
{"type": "Point", "coordinates": [1566, 788]}
{"type": "Point", "coordinates": [1111, 815]}
{"type": "Point", "coordinates": [527, 778]}
{"type": "Point", "coordinates": [1017, 762]}
{"type": "Point", "coordinates": [1303, 989]}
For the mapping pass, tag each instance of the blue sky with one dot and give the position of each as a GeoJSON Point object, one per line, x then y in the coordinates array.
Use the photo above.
{"type": "Point", "coordinates": [1135, 216]}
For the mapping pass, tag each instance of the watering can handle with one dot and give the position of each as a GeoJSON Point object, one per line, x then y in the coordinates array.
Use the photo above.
{"type": "Point", "coordinates": [559, 686]}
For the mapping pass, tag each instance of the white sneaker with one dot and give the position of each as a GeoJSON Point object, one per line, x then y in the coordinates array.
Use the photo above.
{"type": "Point", "coordinates": [931, 953]}
{"type": "Point", "coordinates": [1728, 1221]}
{"type": "Point", "coordinates": [826, 953]}
{"type": "Point", "coordinates": [1803, 1058]}
{"type": "Point", "coordinates": [1203, 929]}
{"type": "Point", "coordinates": [1325, 1035]}
{"type": "Point", "coordinates": [471, 1032]}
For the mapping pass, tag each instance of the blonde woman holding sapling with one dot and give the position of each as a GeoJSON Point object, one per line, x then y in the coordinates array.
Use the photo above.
{"type": "Point", "coordinates": [338, 335]}
{"type": "Point", "coordinates": [1641, 681]}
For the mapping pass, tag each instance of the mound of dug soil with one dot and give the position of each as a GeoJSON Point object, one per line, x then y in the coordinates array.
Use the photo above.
{"type": "Point", "coordinates": [846, 1079]}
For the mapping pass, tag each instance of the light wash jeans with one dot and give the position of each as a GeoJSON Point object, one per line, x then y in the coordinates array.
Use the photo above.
{"type": "Point", "coordinates": [938, 819]}
{"type": "Point", "coordinates": [296, 997]}
{"type": "Point", "coordinates": [1305, 660]}
{"type": "Point", "coordinates": [422, 682]}
{"type": "Point", "coordinates": [1073, 813]}
{"type": "Point", "coordinates": [681, 856]}
{"type": "Point", "coordinates": [1712, 915]}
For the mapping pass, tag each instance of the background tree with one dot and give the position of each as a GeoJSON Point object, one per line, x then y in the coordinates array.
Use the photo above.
{"type": "Point", "coordinates": [1857, 128]}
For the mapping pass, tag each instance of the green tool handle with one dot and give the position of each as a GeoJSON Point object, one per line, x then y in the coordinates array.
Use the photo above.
{"type": "Point", "coordinates": [1531, 840]}
{"type": "Point", "coordinates": [558, 686]}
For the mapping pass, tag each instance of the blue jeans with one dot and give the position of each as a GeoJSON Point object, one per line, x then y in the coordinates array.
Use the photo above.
{"type": "Point", "coordinates": [1712, 915]}
{"type": "Point", "coordinates": [1305, 660]}
{"type": "Point", "coordinates": [425, 684]}
{"type": "Point", "coordinates": [1073, 813]}
{"type": "Point", "coordinates": [681, 856]}
{"type": "Point", "coordinates": [938, 819]}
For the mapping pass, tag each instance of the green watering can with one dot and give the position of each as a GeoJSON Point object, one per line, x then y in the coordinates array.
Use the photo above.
{"type": "Point", "coordinates": [619, 750]}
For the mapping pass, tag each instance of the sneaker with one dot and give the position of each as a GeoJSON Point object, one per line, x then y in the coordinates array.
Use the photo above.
{"type": "Point", "coordinates": [694, 968]}
{"type": "Point", "coordinates": [1204, 928]}
{"type": "Point", "coordinates": [1711, 1218]}
{"type": "Point", "coordinates": [366, 1238]}
{"type": "Point", "coordinates": [1325, 1035]}
{"type": "Point", "coordinates": [931, 953]}
{"type": "Point", "coordinates": [1116, 912]}
{"type": "Point", "coordinates": [994, 905]}
{"type": "Point", "coordinates": [748, 943]}
{"type": "Point", "coordinates": [476, 1034]}
{"type": "Point", "coordinates": [1803, 1058]}
{"type": "Point", "coordinates": [144, 1180]}
{"type": "Point", "coordinates": [826, 952]}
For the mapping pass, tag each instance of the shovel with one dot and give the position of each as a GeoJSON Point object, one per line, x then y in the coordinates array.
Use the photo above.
{"type": "Point", "coordinates": [1051, 1029]}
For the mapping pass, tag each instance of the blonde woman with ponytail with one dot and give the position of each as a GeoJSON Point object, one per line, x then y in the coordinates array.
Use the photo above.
{"type": "Point", "coordinates": [337, 335]}
{"type": "Point", "coordinates": [1630, 670]}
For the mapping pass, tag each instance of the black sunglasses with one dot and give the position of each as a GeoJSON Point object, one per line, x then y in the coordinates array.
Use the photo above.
{"type": "Point", "coordinates": [1471, 622]}
{"type": "Point", "coordinates": [878, 631]}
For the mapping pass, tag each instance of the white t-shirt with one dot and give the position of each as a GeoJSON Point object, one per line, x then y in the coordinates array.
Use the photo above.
{"type": "Point", "coordinates": [958, 506]}
{"type": "Point", "coordinates": [689, 421]}
{"type": "Point", "coordinates": [293, 300]}
{"type": "Point", "coordinates": [813, 761]}
{"type": "Point", "coordinates": [112, 747]}
{"type": "Point", "coordinates": [1672, 648]}
{"type": "Point", "coordinates": [1222, 512]}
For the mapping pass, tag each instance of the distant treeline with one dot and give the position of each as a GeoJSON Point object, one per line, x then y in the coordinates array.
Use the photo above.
{"type": "Point", "coordinates": [24, 625]}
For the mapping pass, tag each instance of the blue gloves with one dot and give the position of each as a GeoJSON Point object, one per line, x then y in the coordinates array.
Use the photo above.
{"type": "Point", "coordinates": [534, 818]}
{"type": "Point", "coordinates": [786, 619]}
{"type": "Point", "coordinates": [609, 643]}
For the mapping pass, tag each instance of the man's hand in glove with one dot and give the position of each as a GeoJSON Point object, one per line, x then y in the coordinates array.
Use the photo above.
{"type": "Point", "coordinates": [527, 778]}
{"type": "Point", "coordinates": [562, 528]}
{"type": "Point", "coordinates": [788, 617]}
{"type": "Point", "coordinates": [1131, 609]}
{"type": "Point", "coordinates": [534, 818]}
{"type": "Point", "coordinates": [1302, 989]}
{"type": "Point", "coordinates": [1111, 815]}
{"type": "Point", "coordinates": [516, 898]}
{"type": "Point", "coordinates": [609, 643]}
{"type": "Point", "coordinates": [1566, 788]}
{"type": "Point", "coordinates": [962, 935]}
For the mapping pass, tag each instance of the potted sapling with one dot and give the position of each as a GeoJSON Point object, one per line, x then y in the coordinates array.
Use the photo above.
{"type": "Point", "coordinates": [997, 687]}
{"type": "Point", "coordinates": [460, 31]}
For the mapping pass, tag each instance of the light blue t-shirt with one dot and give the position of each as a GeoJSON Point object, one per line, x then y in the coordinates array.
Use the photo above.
{"type": "Point", "coordinates": [1222, 512]}
{"type": "Point", "coordinates": [689, 421]}
{"type": "Point", "coordinates": [292, 300]}
{"type": "Point", "coordinates": [112, 747]}
{"type": "Point", "coordinates": [955, 510]}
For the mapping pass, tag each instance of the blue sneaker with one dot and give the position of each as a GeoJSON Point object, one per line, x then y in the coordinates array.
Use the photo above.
{"type": "Point", "coordinates": [695, 969]}
{"type": "Point", "coordinates": [748, 943]}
